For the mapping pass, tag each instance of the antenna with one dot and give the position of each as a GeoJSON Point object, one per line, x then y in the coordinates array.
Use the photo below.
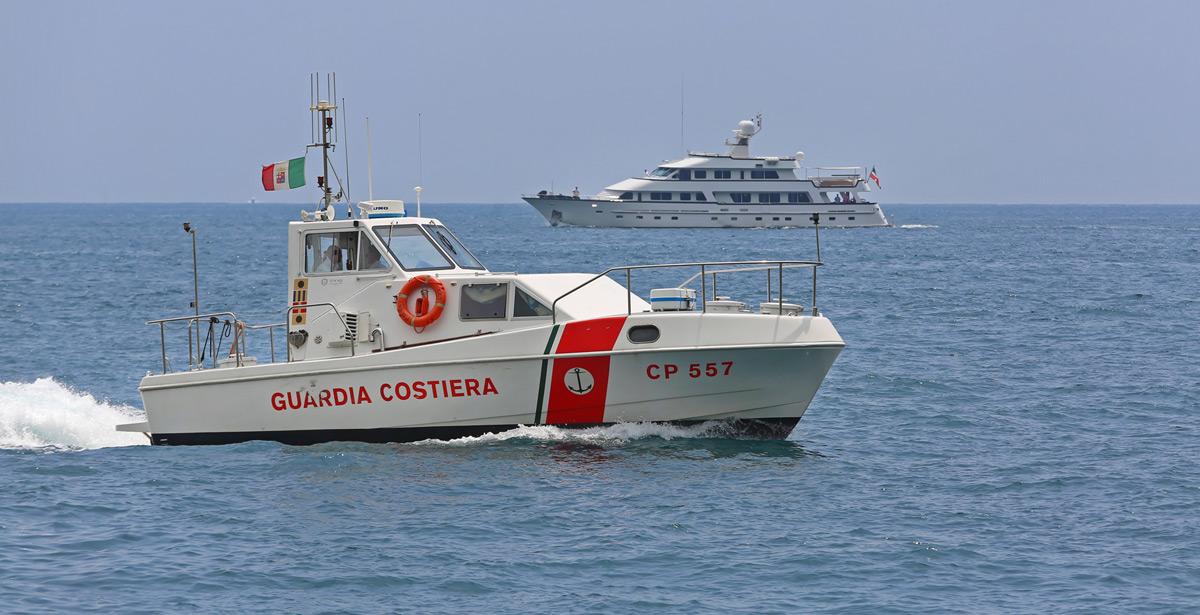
{"type": "Point", "coordinates": [325, 111]}
{"type": "Point", "coordinates": [420, 166]}
{"type": "Point", "coordinates": [346, 155]}
{"type": "Point", "coordinates": [370, 172]}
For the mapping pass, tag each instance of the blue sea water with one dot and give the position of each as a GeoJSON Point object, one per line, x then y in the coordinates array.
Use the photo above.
{"type": "Point", "coordinates": [1013, 427]}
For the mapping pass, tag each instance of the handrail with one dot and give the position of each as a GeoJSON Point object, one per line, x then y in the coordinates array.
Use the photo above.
{"type": "Point", "coordinates": [270, 333]}
{"type": "Point", "coordinates": [287, 317]}
{"type": "Point", "coordinates": [628, 269]}
{"type": "Point", "coordinates": [759, 268]}
{"type": "Point", "coordinates": [212, 318]}
{"type": "Point", "coordinates": [191, 317]}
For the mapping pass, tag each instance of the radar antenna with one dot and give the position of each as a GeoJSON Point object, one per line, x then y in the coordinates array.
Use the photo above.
{"type": "Point", "coordinates": [739, 143]}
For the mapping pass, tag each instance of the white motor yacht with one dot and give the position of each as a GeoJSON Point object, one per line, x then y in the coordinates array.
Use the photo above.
{"type": "Point", "coordinates": [733, 189]}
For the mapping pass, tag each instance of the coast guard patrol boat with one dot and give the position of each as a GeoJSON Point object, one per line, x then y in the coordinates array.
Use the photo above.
{"type": "Point", "coordinates": [733, 189]}
{"type": "Point", "coordinates": [395, 331]}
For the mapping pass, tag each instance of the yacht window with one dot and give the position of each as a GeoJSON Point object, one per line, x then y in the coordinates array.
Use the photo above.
{"type": "Point", "coordinates": [684, 175]}
{"type": "Point", "coordinates": [768, 197]}
{"type": "Point", "coordinates": [660, 196]}
{"type": "Point", "coordinates": [627, 196]}
{"type": "Point", "coordinates": [722, 174]}
{"type": "Point", "coordinates": [330, 252]}
{"type": "Point", "coordinates": [411, 248]}
{"type": "Point", "coordinates": [740, 197]}
{"type": "Point", "coordinates": [758, 174]}
{"type": "Point", "coordinates": [700, 174]}
{"type": "Point", "coordinates": [525, 304]}
{"type": "Point", "coordinates": [799, 197]}
{"type": "Point", "coordinates": [700, 196]}
{"type": "Point", "coordinates": [661, 172]}
{"type": "Point", "coordinates": [685, 196]}
{"type": "Point", "coordinates": [480, 301]}
{"type": "Point", "coordinates": [452, 246]}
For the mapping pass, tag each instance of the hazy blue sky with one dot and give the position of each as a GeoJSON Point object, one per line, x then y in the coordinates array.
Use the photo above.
{"type": "Point", "coordinates": [953, 101]}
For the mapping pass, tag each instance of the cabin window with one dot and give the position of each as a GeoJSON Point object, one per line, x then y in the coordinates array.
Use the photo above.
{"type": "Point", "coordinates": [685, 196]}
{"type": "Point", "coordinates": [484, 301]}
{"type": "Point", "coordinates": [684, 175]}
{"type": "Point", "coordinates": [411, 248]}
{"type": "Point", "coordinates": [700, 196]}
{"type": "Point", "coordinates": [526, 305]}
{"type": "Point", "coordinates": [740, 197]}
{"type": "Point", "coordinates": [370, 257]}
{"type": "Point", "coordinates": [626, 196]}
{"type": "Point", "coordinates": [660, 196]}
{"type": "Point", "coordinates": [330, 252]}
{"type": "Point", "coordinates": [674, 217]}
{"type": "Point", "coordinates": [799, 197]}
{"type": "Point", "coordinates": [851, 217]}
{"type": "Point", "coordinates": [841, 197]}
{"type": "Point", "coordinates": [762, 174]}
{"type": "Point", "coordinates": [453, 247]}
{"type": "Point", "coordinates": [700, 174]}
{"type": "Point", "coordinates": [768, 197]}
{"type": "Point", "coordinates": [661, 172]}
{"type": "Point", "coordinates": [722, 174]}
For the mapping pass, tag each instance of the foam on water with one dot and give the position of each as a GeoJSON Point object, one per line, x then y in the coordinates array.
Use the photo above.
{"type": "Point", "coordinates": [918, 226]}
{"type": "Point", "coordinates": [621, 432]}
{"type": "Point", "coordinates": [47, 414]}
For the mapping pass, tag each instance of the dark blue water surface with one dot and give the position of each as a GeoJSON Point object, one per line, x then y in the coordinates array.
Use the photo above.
{"type": "Point", "coordinates": [1013, 427]}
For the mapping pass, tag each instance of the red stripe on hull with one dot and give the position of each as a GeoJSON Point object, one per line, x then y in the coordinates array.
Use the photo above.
{"type": "Point", "coordinates": [579, 385]}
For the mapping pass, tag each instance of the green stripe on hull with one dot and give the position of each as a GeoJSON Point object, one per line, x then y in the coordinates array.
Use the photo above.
{"type": "Point", "coordinates": [537, 416]}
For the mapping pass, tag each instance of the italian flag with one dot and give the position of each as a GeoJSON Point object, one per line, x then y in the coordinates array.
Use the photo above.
{"type": "Point", "coordinates": [283, 175]}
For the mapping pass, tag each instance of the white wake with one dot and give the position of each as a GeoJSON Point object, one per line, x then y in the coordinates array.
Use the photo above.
{"type": "Point", "coordinates": [47, 414]}
{"type": "Point", "coordinates": [621, 432]}
{"type": "Point", "coordinates": [917, 226]}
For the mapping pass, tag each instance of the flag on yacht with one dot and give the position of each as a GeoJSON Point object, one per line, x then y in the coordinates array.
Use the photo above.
{"type": "Point", "coordinates": [874, 177]}
{"type": "Point", "coordinates": [283, 175]}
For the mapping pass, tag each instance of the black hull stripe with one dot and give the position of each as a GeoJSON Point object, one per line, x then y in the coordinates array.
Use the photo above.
{"type": "Point", "coordinates": [772, 429]}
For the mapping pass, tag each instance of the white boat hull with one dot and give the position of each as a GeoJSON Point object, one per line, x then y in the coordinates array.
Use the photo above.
{"type": "Point", "coordinates": [757, 372]}
{"type": "Point", "coordinates": [635, 214]}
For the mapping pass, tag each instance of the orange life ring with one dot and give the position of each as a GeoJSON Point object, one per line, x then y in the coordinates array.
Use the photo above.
{"type": "Point", "coordinates": [424, 320]}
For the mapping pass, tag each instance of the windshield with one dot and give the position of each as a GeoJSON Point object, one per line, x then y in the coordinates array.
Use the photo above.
{"type": "Point", "coordinates": [661, 172]}
{"type": "Point", "coordinates": [412, 248]}
{"type": "Point", "coordinates": [452, 246]}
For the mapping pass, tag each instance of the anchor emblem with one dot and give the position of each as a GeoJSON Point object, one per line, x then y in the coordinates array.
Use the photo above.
{"type": "Point", "coordinates": [579, 381]}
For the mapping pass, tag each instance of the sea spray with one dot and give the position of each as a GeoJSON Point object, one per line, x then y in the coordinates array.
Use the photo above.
{"type": "Point", "coordinates": [47, 414]}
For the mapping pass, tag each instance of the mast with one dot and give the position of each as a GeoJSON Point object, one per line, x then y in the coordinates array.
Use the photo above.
{"type": "Point", "coordinates": [324, 109]}
{"type": "Point", "coordinates": [325, 112]}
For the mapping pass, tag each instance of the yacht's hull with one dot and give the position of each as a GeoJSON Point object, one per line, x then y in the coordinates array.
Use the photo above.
{"type": "Point", "coordinates": [642, 214]}
{"type": "Point", "coordinates": [756, 374]}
